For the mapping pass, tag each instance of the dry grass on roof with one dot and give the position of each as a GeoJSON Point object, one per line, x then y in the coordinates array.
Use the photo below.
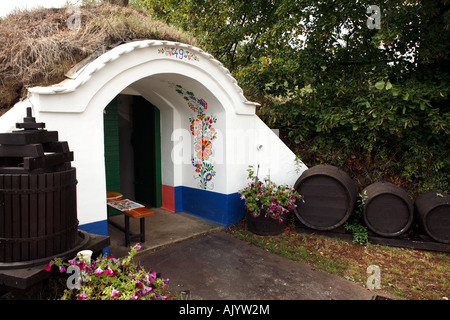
{"type": "Point", "coordinates": [37, 47]}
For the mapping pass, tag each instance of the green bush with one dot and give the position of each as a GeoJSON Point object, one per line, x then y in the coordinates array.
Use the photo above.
{"type": "Point", "coordinates": [386, 127]}
{"type": "Point", "coordinates": [375, 100]}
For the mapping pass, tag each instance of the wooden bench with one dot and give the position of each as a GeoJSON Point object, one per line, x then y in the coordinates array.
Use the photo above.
{"type": "Point", "coordinates": [129, 209]}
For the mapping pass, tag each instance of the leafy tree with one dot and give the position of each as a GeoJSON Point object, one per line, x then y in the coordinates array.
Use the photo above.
{"type": "Point", "coordinates": [343, 90]}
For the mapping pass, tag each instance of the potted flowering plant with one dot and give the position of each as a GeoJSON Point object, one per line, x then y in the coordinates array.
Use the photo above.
{"type": "Point", "coordinates": [108, 278]}
{"type": "Point", "coordinates": [267, 204]}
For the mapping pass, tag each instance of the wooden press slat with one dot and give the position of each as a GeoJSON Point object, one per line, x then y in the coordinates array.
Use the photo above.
{"type": "Point", "coordinates": [68, 203]}
{"type": "Point", "coordinates": [41, 216]}
{"type": "Point", "coordinates": [63, 218]}
{"type": "Point", "coordinates": [72, 202]}
{"type": "Point", "coordinates": [72, 196]}
{"type": "Point", "coordinates": [49, 213]}
{"type": "Point", "coordinates": [2, 220]}
{"type": "Point", "coordinates": [16, 217]}
{"type": "Point", "coordinates": [8, 217]}
{"type": "Point", "coordinates": [24, 216]}
{"type": "Point", "coordinates": [33, 215]}
{"type": "Point", "coordinates": [57, 211]}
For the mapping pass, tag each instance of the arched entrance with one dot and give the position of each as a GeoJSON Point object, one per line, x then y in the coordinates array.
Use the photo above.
{"type": "Point", "coordinates": [209, 132]}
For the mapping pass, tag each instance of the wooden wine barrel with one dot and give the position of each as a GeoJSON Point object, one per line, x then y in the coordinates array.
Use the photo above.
{"type": "Point", "coordinates": [38, 209]}
{"type": "Point", "coordinates": [39, 215]}
{"type": "Point", "coordinates": [329, 195]}
{"type": "Point", "coordinates": [388, 210]}
{"type": "Point", "coordinates": [432, 211]}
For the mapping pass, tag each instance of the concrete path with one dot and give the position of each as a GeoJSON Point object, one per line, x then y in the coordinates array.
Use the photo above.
{"type": "Point", "coordinates": [162, 229]}
{"type": "Point", "coordinates": [218, 266]}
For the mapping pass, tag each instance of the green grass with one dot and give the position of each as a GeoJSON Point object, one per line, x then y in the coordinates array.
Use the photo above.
{"type": "Point", "coordinates": [405, 273]}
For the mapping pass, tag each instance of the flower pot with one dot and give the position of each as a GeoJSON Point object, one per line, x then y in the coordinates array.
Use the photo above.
{"type": "Point", "coordinates": [264, 226]}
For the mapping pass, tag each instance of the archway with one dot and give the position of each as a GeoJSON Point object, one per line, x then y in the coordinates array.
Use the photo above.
{"type": "Point", "coordinates": [209, 131]}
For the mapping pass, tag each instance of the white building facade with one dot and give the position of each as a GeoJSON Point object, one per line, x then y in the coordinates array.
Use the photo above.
{"type": "Point", "coordinates": [205, 131]}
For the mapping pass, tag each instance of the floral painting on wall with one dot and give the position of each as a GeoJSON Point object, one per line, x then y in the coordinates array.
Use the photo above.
{"type": "Point", "coordinates": [203, 133]}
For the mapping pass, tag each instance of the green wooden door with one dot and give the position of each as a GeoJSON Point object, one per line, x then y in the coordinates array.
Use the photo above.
{"type": "Point", "coordinates": [111, 143]}
{"type": "Point", "coordinates": [147, 152]}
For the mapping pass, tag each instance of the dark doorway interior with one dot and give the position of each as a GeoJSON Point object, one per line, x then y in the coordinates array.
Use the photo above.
{"type": "Point", "coordinates": [146, 142]}
{"type": "Point", "coordinates": [133, 150]}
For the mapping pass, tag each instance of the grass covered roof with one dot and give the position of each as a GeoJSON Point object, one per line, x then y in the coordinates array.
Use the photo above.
{"type": "Point", "coordinates": [39, 47]}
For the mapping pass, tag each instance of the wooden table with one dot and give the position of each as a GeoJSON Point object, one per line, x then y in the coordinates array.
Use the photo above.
{"type": "Point", "coordinates": [130, 209]}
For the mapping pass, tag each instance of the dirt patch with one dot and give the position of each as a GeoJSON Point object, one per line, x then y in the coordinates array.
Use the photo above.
{"type": "Point", "coordinates": [39, 46]}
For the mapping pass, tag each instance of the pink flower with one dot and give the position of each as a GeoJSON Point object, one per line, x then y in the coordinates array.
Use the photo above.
{"type": "Point", "coordinates": [138, 284]}
{"type": "Point", "coordinates": [82, 296]}
{"type": "Point", "coordinates": [81, 265]}
{"type": "Point", "coordinates": [62, 269]}
{"type": "Point", "coordinates": [150, 278]}
{"type": "Point", "coordinates": [147, 290]}
{"type": "Point", "coordinates": [164, 283]}
{"type": "Point", "coordinates": [135, 297]}
{"type": "Point", "coordinates": [109, 272]}
{"type": "Point", "coordinates": [48, 267]}
{"type": "Point", "coordinates": [138, 246]}
{"type": "Point", "coordinates": [114, 293]}
{"type": "Point", "coordinates": [98, 271]}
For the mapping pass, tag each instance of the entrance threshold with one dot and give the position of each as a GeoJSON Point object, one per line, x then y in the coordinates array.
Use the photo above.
{"type": "Point", "coordinates": [161, 229]}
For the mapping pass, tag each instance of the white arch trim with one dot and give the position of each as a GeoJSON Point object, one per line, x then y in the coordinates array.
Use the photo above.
{"type": "Point", "coordinates": [138, 54]}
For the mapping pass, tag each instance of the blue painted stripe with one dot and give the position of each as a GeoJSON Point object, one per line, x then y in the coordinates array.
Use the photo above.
{"type": "Point", "coordinates": [212, 206]}
{"type": "Point", "coordinates": [224, 209]}
{"type": "Point", "coordinates": [178, 194]}
{"type": "Point", "coordinates": [98, 227]}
